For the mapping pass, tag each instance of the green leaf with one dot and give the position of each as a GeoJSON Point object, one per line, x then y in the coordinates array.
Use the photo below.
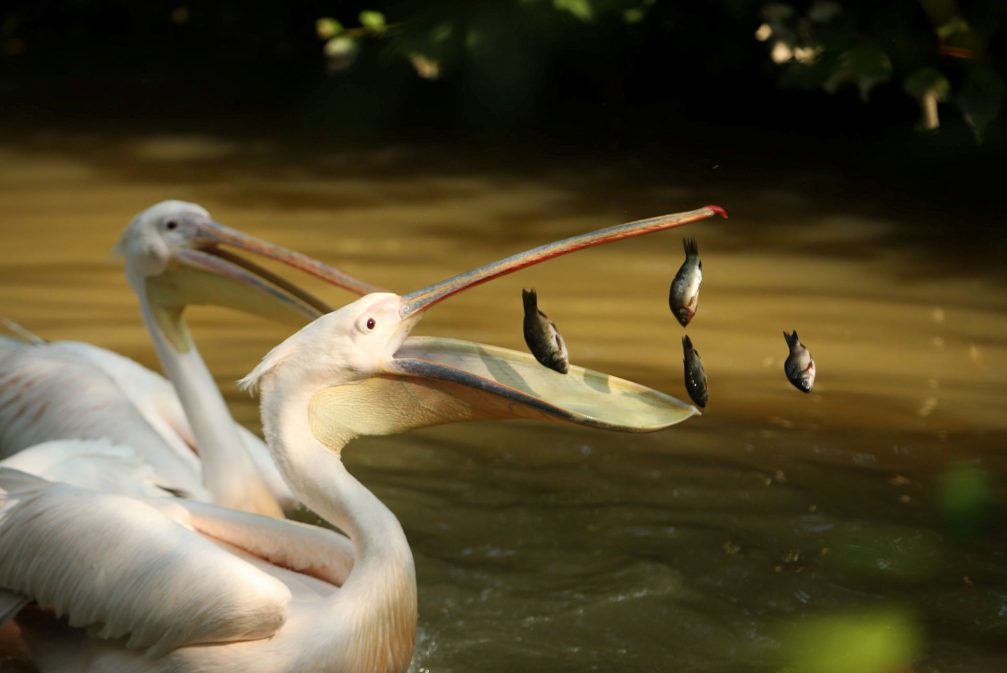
{"type": "Point", "coordinates": [328, 27]}
{"type": "Point", "coordinates": [340, 46]}
{"type": "Point", "coordinates": [823, 11]}
{"type": "Point", "coordinates": [374, 21]}
{"type": "Point", "coordinates": [981, 98]}
{"type": "Point", "coordinates": [865, 65]}
{"type": "Point", "coordinates": [425, 66]}
{"type": "Point", "coordinates": [442, 32]}
{"type": "Point", "coordinates": [341, 52]}
{"type": "Point", "coordinates": [952, 27]}
{"type": "Point", "coordinates": [927, 82]}
{"type": "Point", "coordinates": [632, 15]}
{"type": "Point", "coordinates": [582, 9]}
{"type": "Point", "coordinates": [474, 39]}
{"type": "Point", "coordinates": [777, 12]}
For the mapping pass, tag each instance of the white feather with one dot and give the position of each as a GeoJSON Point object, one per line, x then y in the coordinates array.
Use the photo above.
{"type": "Point", "coordinates": [127, 580]}
{"type": "Point", "coordinates": [168, 584]}
{"type": "Point", "coordinates": [97, 464]}
{"type": "Point", "coordinates": [70, 389]}
{"type": "Point", "coordinates": [50, 392]}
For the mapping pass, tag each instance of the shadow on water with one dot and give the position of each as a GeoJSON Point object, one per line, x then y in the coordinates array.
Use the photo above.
{"type": "Point", "coordinates": [908, 206]}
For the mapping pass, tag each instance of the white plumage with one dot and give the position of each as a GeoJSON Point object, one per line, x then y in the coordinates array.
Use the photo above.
{"type": "Point", "coordinates": [50, 392]}
{"type": "Point", "coordinates": [160, 583]}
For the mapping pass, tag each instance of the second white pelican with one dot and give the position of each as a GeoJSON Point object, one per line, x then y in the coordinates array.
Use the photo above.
{"type": "Point", "coordinates": [70, 389]}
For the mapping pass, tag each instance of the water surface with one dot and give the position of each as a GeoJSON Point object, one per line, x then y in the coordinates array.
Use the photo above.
{"type": "Point", "coordinates": [775, 531]}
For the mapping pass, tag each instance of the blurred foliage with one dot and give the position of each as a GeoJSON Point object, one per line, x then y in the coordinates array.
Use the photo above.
{"type": "Point", "coordinates": [618, 63]}
{"type": "Point", "coordinates": [936, 50]}
{"type": "Point", "coordinates": [966, 500]}
{"type": "Point", "coordinates": [881, 641]}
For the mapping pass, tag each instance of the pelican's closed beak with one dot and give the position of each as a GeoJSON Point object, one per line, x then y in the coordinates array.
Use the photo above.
{"type": "Point", "coordinates": [207, 273]}
{"type": "Point", "coordinates": [432, 380]}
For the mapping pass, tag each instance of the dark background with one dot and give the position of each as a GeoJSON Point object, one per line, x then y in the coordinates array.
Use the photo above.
{"type": "Point", "coordinates": [686, 82]}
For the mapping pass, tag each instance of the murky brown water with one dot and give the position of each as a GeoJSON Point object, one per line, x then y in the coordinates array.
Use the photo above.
{"type": "Point", "coordinates": [778, 530]}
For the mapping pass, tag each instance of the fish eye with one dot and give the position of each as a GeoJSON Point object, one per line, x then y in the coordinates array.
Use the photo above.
{"type": "Point", "coordinates": [171, 224]}
{"type": "Point", "coordinates": [370, 323]}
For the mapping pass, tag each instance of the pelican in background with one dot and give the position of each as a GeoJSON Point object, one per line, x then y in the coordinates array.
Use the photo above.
{"type": "Point", "coordinates": [69, 389]}
{"type": "Point", "coordinates": [250, 593]}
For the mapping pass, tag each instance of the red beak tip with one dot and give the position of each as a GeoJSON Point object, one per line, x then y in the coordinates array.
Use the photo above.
{"type": "Point", "coordinates": [720, 211]}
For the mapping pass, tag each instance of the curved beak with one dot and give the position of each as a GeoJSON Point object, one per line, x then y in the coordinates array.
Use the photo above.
{"type": "Point", "coordinates": [421, 300]}
{"type": "Point", "coordinates": [209, 273]}
{"type": "Point", "coordinates": [216, 234]}
{"type": "Point", "coordinates": [429, 381]}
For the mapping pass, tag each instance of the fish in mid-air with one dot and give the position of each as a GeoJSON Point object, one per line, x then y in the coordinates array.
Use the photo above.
{"type": "Point", "coordinates": [800, 367]}
{"type": "Point", "coordinates": [683, 297]}
{"type": "Point", "coordinates": [695, 376]}
{"type": "Point", "coordinates": [541, 335]}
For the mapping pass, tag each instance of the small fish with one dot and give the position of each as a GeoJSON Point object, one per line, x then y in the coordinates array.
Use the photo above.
{"type": "Point", "coordinates": [683, 297]}
{"type": "Point", "coordinates": [695, 377]}
{"type": "Point", "coordinates": [541, 335]}
{"type": "Point", "coordinates": [800, 367]}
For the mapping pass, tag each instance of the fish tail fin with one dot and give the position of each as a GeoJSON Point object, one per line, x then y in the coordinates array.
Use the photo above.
{"type": "Point", "coordinates": [530, 298]}
{"type": "Point", "coordinates": [691, 247]}
{"type": "Point", "coordinates": [792, 339]}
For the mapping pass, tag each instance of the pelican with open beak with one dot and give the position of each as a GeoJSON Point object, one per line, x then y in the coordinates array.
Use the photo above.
{"type": "Point", "coordinates": [423, 381]}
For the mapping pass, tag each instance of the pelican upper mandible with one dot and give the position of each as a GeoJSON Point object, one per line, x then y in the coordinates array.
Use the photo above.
{"type": "Point", "coordinates": [175, 256]}
{"type": "Point", "coordinates": [254, 594]}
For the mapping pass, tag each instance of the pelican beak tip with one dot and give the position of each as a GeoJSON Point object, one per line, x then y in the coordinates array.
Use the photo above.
{"type": "Point", "coordinates": [719, 210]}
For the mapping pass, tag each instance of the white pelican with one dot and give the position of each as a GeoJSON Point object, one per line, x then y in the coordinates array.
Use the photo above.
{"type": "Point", "coordinates": [75, 390]}
{"type": "Point", "coordinates": [157, 584]}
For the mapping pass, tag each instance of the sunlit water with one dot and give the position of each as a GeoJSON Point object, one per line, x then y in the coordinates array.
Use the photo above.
{"type": "Point", "coordinates": [777, 530]}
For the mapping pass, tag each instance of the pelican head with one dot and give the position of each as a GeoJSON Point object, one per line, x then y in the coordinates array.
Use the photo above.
{"type": "Point", "coordinates": [175, 256]}
{"type": "Point", "coordinates": [148, 242]}
{"type": "Point", "coordinates": [351, 344]}
{"type": "Point", "coordinates": [366, 376]}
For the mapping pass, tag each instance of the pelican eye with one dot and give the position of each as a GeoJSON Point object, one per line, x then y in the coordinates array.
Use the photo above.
{"type": "Point", "coordinates": [371, 323]}
{"type": "Point", "coordinates": [171, 224]}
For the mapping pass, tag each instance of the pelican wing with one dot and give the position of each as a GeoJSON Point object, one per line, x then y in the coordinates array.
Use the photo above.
{"type": "Point", "coordinates": [48, 391]}
{"type": "Point", "coordinates": [97, 464]}
{"type": "Point", "coordinates": [71, 389]}
{"type": "Point", "coordinates": [129, 568]}
{"type": "Point", "coordinates": [152, 394]}
{"type": "Point", "coordinates": [309, 550]}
